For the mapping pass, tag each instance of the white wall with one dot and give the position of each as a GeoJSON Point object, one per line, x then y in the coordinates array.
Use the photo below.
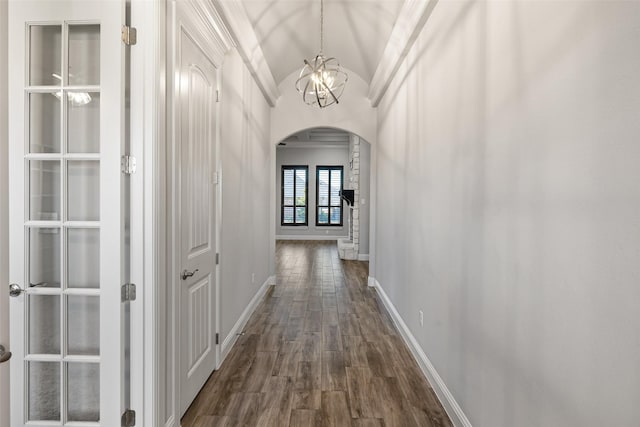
{"type": "Point", "coordinates": [353, 114]}
{"type": "Point", "coordinates": [245, 180]}
{"type": "Point", "coordinates": [312, 157]}
{"type": "Point", "coordinates": [4, 216]}
{"type": "Point", "coordinates": [365, 199]}
{"type": "Point", "coordinates": [509, 208]}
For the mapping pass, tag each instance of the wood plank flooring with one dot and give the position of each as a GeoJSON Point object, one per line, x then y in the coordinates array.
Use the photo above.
{"type": "Point", "coordinates": [320, 350]}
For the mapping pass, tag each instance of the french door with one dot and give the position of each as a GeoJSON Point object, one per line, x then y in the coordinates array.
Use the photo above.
{"type": "Point", "coordinates": [66, 212]}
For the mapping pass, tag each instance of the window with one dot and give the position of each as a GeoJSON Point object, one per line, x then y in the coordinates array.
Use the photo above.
{"type": "Point", "coordinates": [295, 186]}
{"type": "Point", "coordinates": [328, 188]}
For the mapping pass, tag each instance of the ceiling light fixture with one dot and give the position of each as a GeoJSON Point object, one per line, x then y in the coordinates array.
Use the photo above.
{"type": "Point", "coordinates": [322, 81]}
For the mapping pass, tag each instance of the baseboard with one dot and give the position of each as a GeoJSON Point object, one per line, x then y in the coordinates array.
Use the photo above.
{"type": "Point", "coordinates": [371, 281]}
{"type": "Point", "coordinates": [230, 340]}
{"type": "Point", "coordinates": [363, 257]}
{"type": "Point", "coordinates": [458, 418]}
{"type": "Point", "coordinates": [309, 237]}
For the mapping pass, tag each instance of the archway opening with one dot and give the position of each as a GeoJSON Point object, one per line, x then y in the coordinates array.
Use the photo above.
{"type": "Point", "coordinates": [323, 190]}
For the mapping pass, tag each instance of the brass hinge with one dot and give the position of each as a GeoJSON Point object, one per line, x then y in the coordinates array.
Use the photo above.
{"type": "Point", "coordinates": [129, 418]}
{"type": "Point", "coordinates": [128, 292]}
{"type": "Point", "coordinates": [128, 165]}
{"type": "Point", "coordinates": [129, 35]}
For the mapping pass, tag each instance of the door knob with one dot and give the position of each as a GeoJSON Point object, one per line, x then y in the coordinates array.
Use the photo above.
{"type": "Point", "coordinates": [15, 290]}
{"type": "Point", "coordinates": [186, 274]}
{"type": "Point", "coordinates": [4, 355]}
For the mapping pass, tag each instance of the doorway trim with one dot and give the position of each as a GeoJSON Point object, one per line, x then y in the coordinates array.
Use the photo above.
{"type": "Point", "coordinates": [4, 211]}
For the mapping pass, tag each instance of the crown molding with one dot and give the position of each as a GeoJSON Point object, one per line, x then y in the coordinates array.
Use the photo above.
{"type": "Point", "coordinates": [413, 17]}
{"type": "Point", "coordinates": [237, 22]}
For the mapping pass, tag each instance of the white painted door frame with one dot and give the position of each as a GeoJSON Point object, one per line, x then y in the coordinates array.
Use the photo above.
{"type": "Point", "coordinates": [147, 206]}
{"type": "Point", "coordinates": [4, 215]}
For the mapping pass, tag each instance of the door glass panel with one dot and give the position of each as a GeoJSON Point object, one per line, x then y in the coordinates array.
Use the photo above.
{"type": "Point", "coordinates": [44, 323]}
{"type": "Point", "coordinates": [83, 258]}
{"type": "Point", "coordinates": [44, 257]}
{"type": "Point", "coordinates": [44, 122]}
{"type": "Point", "coordinates": [44, 186]}
{"type": "Point", "coordinates": [44, 391]}
{"type": "Point", "coordinates": [84, 54]}
{"type": "Point", "coordinates": [83, 129]}
{"type": "Point", "coordinates": [83, 395]}
{"type": "Point", "coordinates": [83, 192]}
{"type": "Point", "coordinates": [83, 325]}
{"type": "Point", "coordinates": [63, 140]}
{"type": "Point", "coordinates": [45, 61]}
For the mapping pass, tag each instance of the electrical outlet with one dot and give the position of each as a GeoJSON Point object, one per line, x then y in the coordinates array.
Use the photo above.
{"type": "Point", "coordinates": [421, 314]}
{"type": "Point", "coordinates": [253, 277]}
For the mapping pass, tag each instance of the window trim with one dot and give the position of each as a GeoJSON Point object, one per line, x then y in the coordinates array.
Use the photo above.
{"type": "Point", "coordinates": [318, 206]}
{"type": "Point", "coordinates": [306, 200]}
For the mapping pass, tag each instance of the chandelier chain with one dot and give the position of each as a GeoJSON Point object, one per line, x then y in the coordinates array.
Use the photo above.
{"type": "Point", "coordinates": [321, 26]}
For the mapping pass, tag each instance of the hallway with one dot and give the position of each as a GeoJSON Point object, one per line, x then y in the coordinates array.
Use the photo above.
{"type": "Point", "coordinates": [319, 350]}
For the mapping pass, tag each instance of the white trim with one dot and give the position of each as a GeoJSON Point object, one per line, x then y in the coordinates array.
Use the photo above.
{"type": "Point", "coordinates": [4, 210]}
{"type": "Point", "coordinates": [148, 81]}
{"type": "Point", "coordinates": [363, 257]}
{"type": "Point", "coordinates": [413, 17]}
{"type": "Point", "coordinates": [371, 281]}
{"type": "Point", "coordinates": [309, 237]}
{"type": "Point", "coordinates": [231, 338]}
{"type": "Point", "coordinates": [458, 418]}
{"type": "Point", "coordinates": [236, 20]}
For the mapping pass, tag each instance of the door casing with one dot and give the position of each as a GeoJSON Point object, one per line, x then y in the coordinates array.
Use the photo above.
{"type": "Point", "coordinates": [4, 215]}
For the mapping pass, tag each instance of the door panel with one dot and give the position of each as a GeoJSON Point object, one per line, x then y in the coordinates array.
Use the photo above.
{"type": "Point", "coordinates": [196, 100]}
{"type": "Point", "coordinates": [66, 220]}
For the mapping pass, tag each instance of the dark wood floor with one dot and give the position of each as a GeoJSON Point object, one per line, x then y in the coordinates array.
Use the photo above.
{"type": "Point", "coordinates": [320, 350]}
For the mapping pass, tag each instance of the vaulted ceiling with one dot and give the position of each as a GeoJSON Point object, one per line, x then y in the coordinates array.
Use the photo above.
{"type": "Point", "coordinates": [356, 32]}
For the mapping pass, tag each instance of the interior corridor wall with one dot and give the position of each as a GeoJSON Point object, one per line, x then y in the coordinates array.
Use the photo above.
{"type": "Point", "coordinates": [509, 208]}
{"type": "Point", "coordinates": [245, 180]}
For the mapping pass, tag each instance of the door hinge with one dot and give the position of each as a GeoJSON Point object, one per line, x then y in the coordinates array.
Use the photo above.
{"type": "Point", "coordinates": [215, 178]}
{"type": "Point", "coordinates": [217, 258]}
{"type": "Point", "coordinates": [128, 292]}
{"type": "Point", "coordinates": [129, 418]}
{"type": "Point", "coordinates": [217, 338]}
{"type": "Point", "coordinates": [129, 35]}
{"type": "Point", "coordinates": [128, 164]}
{"type": "Point", "coordinates": [217, 95]}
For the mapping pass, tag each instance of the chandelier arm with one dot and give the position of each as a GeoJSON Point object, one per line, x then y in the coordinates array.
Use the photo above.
{"type": "Point", "coordinates": [330, 91]}
{"type": "Point", "coordinates": [317, 92]}
{"type": "Point", "coordinates": [304, 92]}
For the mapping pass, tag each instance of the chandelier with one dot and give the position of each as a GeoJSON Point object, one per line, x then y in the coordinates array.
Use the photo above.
{"type": "Point", "coordinates": [321, 81]}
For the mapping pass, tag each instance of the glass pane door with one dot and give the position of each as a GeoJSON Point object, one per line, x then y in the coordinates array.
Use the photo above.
{"type": "Point", "coordinates": [62, 228]}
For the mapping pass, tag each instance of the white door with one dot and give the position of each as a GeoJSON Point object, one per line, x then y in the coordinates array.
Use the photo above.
{"type": "Point", "coordinates": [196, 134]}
{"type": "Point", "coordinates": [66, 218]}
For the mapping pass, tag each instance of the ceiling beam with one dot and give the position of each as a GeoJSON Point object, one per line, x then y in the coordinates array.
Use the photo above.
{"type": "Point", "coordinates": [413, 17]}
{"type": "Point", "coordinates": [236, 20]}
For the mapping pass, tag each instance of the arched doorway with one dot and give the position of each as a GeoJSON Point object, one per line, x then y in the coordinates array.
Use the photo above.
{"type": "Point", "coordinates": [317, 163]}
